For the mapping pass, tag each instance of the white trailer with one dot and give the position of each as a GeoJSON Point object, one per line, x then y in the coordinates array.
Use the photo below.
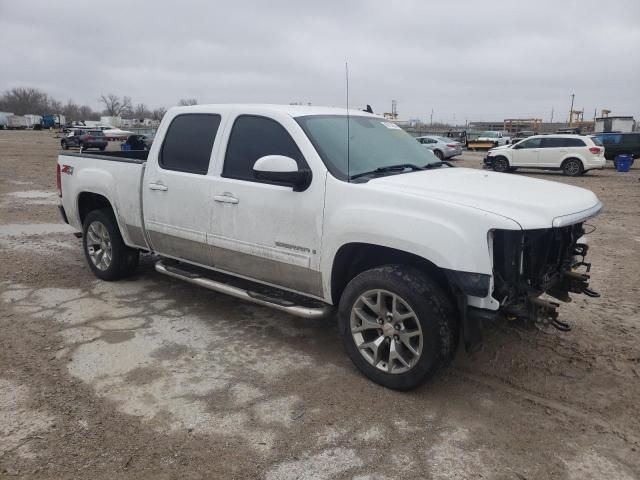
{"type": "Point", "coordinates": [4, 120]}
{"type": "Point", "coordinates": [17, 122]}
{"type": "Point", "coordinates": [33, 121]}
{"type": "Point", "coordinates": [112, 121]}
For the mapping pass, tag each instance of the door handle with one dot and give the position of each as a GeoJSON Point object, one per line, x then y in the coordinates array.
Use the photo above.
{"type": "Point", "coordinates": [158, 186]}
{"type": "Point", "coordinates": [226, 198]}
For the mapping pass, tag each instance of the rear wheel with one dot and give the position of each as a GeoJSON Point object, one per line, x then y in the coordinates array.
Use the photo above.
{"type": "Point", "coordinates": [397, 326]}
{"type": "Point", "coordinates": [64, 145]}
{"type": "Point", "coordinates": [500, 164]}
{"type": "Point", "coordinates": [438, 154]}
{"type": "Point", "coordinates": [107, 255]}
{"type": "Point", "coordinates": [572, 167]}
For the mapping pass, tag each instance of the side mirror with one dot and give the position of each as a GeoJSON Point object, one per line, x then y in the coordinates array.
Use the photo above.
{"type": "Point", "coordinates": [283, 171]}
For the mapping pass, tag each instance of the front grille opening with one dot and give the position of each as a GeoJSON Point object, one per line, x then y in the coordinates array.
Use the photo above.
{"type": "Point", "coordinates": [530, 262]}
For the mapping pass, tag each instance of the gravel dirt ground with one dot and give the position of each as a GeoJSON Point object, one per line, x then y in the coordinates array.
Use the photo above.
{"type": "Point", "coordinates": [154, 378]}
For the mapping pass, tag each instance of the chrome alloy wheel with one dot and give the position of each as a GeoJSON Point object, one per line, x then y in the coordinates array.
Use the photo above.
{"type": "Point", "coordinates": [99, 245]}
{"type": "Point", "coordinates": [386, 331]}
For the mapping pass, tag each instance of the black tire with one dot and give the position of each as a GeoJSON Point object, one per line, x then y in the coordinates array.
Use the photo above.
{"type": "Point", "coordinates": [102, 149]}
{"type": "Point", "coordinates": [64, 145]}
{"type": "Point", "coordinates": [433, 310]}
{"type": "Point", "coordinates": [572, 167]}
{"type": "Point", "coordinates": [438, 154]}
{"type": "Point", "coordinates": [124, 260]}
{"type": "Point", "coordinates": [501, 164]}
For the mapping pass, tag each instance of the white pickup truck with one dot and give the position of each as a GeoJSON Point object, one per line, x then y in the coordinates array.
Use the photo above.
{"type": "Point", "coordinates": [307, 208]}
{"type": "Point", "coordinates": [497, 138]}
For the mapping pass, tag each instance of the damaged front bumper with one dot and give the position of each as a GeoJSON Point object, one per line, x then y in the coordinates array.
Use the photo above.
{"type": "Point", "coordinates": [528, 264]}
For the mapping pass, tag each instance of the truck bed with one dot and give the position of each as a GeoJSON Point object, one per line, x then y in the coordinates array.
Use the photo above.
{"type": "Point", "coordinates": [116, 176]}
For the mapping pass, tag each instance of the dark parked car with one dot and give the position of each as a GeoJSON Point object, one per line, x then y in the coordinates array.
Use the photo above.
{"type": "Point", "coordinates": [85, 139]}
{"type": "Point", "coordinates": [140, 142]}
{"type": "Point", "coordinates": [619, 143]}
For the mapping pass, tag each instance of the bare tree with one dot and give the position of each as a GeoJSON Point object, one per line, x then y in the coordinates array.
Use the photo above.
{"type": "Point", "coordinates": [141, 111]}
{"type": "Point", "coordinates": [185, 102]}
{"type": "Point", "coordinates": [114, 106]}
{"type": "Point", "coordinates": [158, 113]}
{"type": "Point", "coordinates": [26, 100]}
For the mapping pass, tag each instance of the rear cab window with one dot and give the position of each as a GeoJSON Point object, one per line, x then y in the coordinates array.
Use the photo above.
{"type": "Point", "coordinates": [253, 137]}
{"type": "Point", "coordinates": [188, 143]}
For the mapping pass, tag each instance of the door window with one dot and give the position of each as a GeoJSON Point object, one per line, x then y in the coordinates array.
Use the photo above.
{"type": "Point", "coordinates": [188, 143]}
{"type": "Point", "coordinates": [611, 139]}
{"type": "Point", "coordinates": [552, 142]}
{"type": "Point", "coordinates": [631, 139]}
{"type": "Point", "coordinates": [253, 137]}
{"type": "Point", "coordinates": [530, 143]}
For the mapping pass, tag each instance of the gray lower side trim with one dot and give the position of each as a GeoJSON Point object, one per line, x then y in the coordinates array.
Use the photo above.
{"type": "Point", "coordinates": [253, 267]}
{"type": "Point", "coordinates": [278, 273]}
{"type": "Point", "coordinates": [181, 248]}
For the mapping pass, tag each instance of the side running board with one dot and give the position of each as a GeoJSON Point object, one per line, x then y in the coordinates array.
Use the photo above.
{"type": "Point", "coordinates": [266, 296]}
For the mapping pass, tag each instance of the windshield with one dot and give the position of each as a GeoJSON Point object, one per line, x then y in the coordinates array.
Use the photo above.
{"type": "Point", "coordinates": [489, 134]}
{"type": "Point", "coordinates": [373, 144]}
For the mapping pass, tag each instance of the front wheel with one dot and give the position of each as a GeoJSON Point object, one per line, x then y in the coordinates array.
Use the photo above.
{"type": "Point", "coordinates": [397, 326]}
{"type": "Point", "coordinates": [106, 253]}
{"type": "Point", "coordinates": [500, 164]}
{"type": "Point", "coordinates": [65, 146]}
{"type": "Point", "coordinates": [572, 167]}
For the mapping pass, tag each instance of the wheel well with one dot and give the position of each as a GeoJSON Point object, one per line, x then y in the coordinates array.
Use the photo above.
{"type": "Point", "coordinates": [354, 258]}
{"type": "Point", "coordinates": [502, 157]}
{"type": "Point", "coordinates": [88, 201]}
{"type": "Point", "coordinates": [572, 158]}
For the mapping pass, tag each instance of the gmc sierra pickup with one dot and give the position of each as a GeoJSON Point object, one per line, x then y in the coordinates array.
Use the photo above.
{"type": "Point", "coordinates": [307, 208]}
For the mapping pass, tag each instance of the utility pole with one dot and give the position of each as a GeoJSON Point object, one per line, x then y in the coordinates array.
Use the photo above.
{"type": "Point", "coordinates": [573, 95]}
{"type": "Point", "coordinates": [551, 121]}
{"type": "Point", "coordinates": [431, 118]}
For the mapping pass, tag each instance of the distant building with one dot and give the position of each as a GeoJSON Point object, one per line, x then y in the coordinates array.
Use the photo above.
{"type": "Point", "coordinates": [615, 124]}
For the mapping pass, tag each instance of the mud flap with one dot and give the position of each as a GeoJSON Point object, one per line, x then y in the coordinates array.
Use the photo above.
{"type": "Point", "coordinates": [471, 324]}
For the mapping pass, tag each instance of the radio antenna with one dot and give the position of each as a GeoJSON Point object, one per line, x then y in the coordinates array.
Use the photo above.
{"type": "Point", "coordinates": [346, 70]}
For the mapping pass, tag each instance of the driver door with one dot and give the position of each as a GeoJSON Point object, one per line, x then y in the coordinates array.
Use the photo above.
{"type": "Point", "coordinates": [264, 230]}
{"type": "Point", "coordinates": [527, 153]}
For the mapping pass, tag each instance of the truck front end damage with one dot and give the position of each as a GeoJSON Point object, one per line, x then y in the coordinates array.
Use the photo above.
{"type": "Point", "coordinates": [530, 263]}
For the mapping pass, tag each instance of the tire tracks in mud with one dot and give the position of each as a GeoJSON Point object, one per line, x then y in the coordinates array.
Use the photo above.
{"type": "Point", "coordinates": [505, 386]}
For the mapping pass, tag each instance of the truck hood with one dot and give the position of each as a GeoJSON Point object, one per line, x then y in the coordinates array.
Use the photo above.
{"type": "Point", "coordinates": [530, 202]}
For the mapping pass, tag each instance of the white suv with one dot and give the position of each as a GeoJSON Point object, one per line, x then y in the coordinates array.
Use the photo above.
{"type": "Point", "coordinates": [573, 154]}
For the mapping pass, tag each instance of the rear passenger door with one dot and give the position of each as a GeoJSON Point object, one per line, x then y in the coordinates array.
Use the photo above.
{"type": "Point", "coordinates": [553, 151]}
{"type": "Point", "coordinates": [263, 230]}
{"type": "Point", "coordinates": [176, 188]}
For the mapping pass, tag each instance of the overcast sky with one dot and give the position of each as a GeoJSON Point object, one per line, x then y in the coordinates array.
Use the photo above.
{"type": "Point", "coordinates": [465, 60]}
